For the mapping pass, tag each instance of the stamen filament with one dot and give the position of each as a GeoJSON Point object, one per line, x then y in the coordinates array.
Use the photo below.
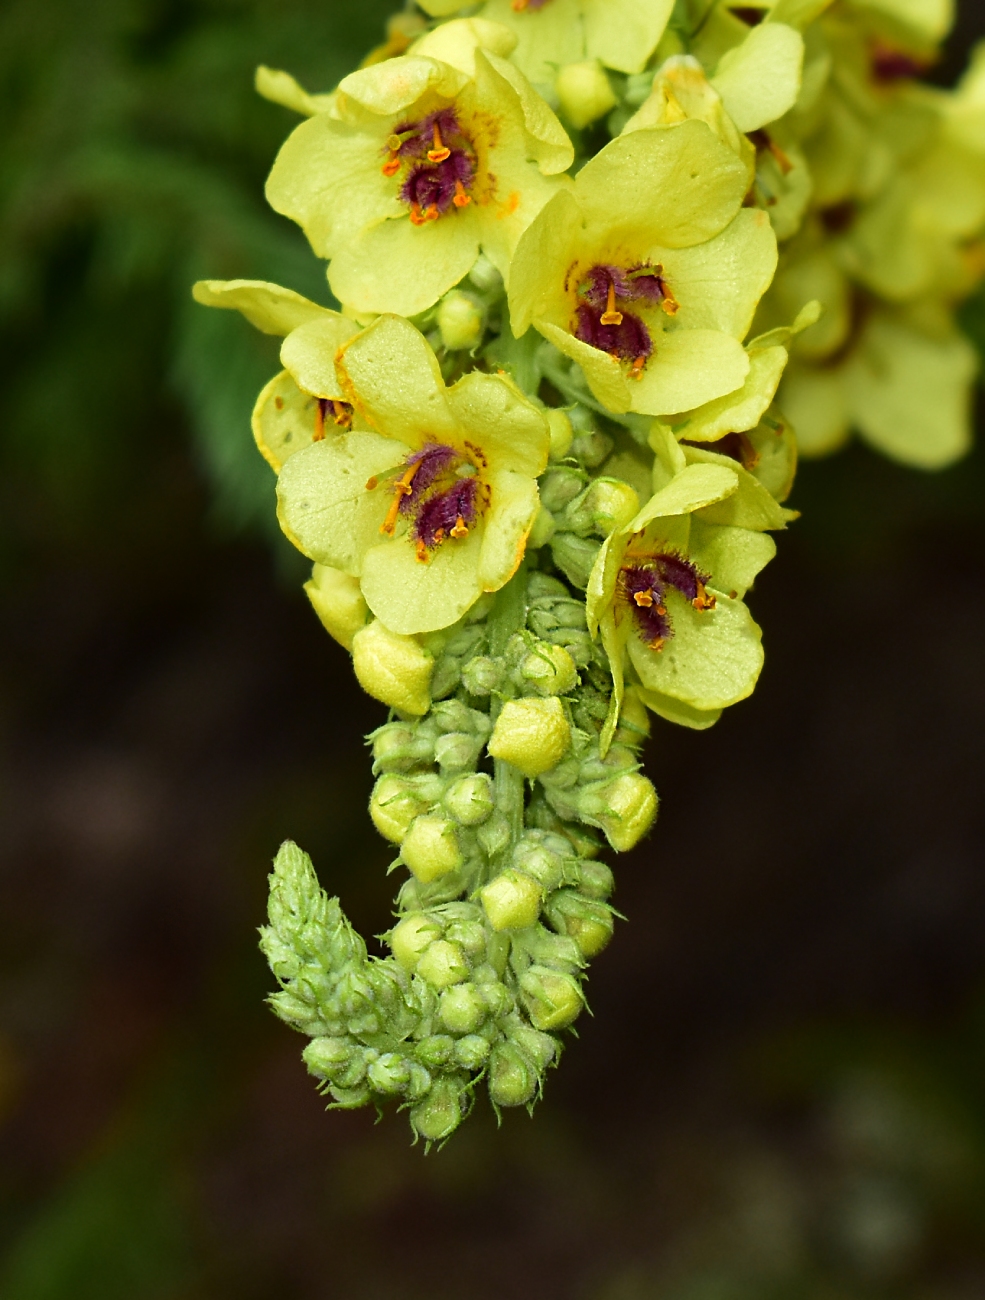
{"type": "Point", "coordinates": [402, 488]}
{"type": "Point", "coordinates": [440, 151]}
{"type": "Point", "coordinates": [636, 369]}
{"type": "Point", "coordinates": [611, 316]}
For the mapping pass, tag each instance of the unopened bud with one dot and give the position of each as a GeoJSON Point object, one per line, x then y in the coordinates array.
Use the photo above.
{"type": "Point", "coordinates": [544, 528]}
{"type": "Point", "coordinates": [430, 848]}
{"type": "Point", "coordinates": [511, 901]}
{"type": "Point", "coordinates": [591, 446]}
{"type": "Point", "coordinates": [411, 937]}
{"type": "Point", "coordinates": [328, 1058]}
{"type": "Point", "coordinates": [512, 1078]}
{"type": "Point", "coordinates": [560, 486]}
{"type": "Point", "coordinates": [575, 556]}
{"type": "Point", "coordinates": [595, 879]}
{"type": "Point", "coordinates": [484, 275]}
{"type": "Point", "coordinates": [472, 1051]}
{"type": "Point", "coordinates": [494, 834]}
{"type": "Point", "coordinates": [634, 721]}
{"type": "Point", "coordinates": [541, 1048]}
{"type": "Point", "coordinates": [532, 734]}
{"type": "Point", "coordinates": [389, 1074]}
{"type": "Point", "coordinates": [553, 999]}
{"type": "Point", "coordinates": [586, 921]}
{"type": "Point", "coordinates": [584, 92]}
{"type": "Point", "coordinates": [393, 668]}
{"type": "Point", "coordinates": [440, 1113]}
{"type": "Point", "coordinates": [398, 746]}
{"type": "Point", "coordinates": [610, 503]}
{"type": "Point", "coordinates": [625, 809]}
{"type": "Point", "coordinates": [460, 321]}
{"type": "Point", "coordinates": [550, 670]}
{"type": "Point", "coordinates": [393, 805]}
{"type": "Point", "coordinates": [443, 964]}
{"type": "Point", "coordinates": [469, 800]}
{"type": "Point", "coordinates": [497, 998]}
{"type": "Point", "coordinates": [338, 601]}
{"type": "Point", "coordinates": [543, 863]}
{"type": "Point", "coordinates": [561, 433]}
{"type": "Point", "coordinates": [456, 751]}
{"type": "Point", "coordinates": [462, 1009]}
{"type": "Point", "coordinates": [435, 1050]}
{"type": "Point", "coordinates": [482, 675]}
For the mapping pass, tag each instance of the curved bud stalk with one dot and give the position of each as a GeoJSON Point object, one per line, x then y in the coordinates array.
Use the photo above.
{"type": "Point", "coordinates": [606, 266]}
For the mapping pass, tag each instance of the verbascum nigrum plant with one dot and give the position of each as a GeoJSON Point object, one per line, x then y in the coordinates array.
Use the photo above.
{"type": "Point", "coordinates": [538, 456]}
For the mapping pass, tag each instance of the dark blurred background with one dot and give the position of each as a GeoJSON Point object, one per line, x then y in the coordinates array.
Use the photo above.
{"type": "Point", "coordinates": [781, 1093]}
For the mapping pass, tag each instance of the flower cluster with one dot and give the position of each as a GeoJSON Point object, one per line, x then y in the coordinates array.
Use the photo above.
{"type": "Point", "coordinates": [591, 256]}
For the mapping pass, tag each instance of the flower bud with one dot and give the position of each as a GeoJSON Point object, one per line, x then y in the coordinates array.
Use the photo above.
{"type": "Point", "coordinates": [590, 446]}
{"type": "Point", "coordinates": [482, 675]}
{"type": "Point", "coordinates": [497, 998]}
{"type": "Point", "coordinates": [393, 805]}
{"type": "Point", "coordinates": [574, 556]}
{"type": "Point", "coordinates": [541, 1048]}
{"type": "Point", "coordinates": [393, 668]}
{"type": "Point", "coordinates": [608, 503]}
{"type": "Point", "coordinates": [543, 863]}
{"type": "Point", "coordinates": [586, 921]}
{"type": "Point", "coordinates": [625, 809]}
{"type": "Point", "coordinates": [550, 670]}
{"type": "Point", "coordinates": [399, 746]}
{"type": "Point", "coordinates": [634, 721]}
{"type": "Point", "coordinates": [461, 321]}
{"type": "Point", "coordinates": [512, 1078]}
{"type": "Point", "coordinates": [544, 528]}
{"type": "Point", "coordinates": [494, 834]}
{"type": "Point", "coordinates": [411, 937]}
{"type": "Point", "coordinates": [512, 901]}
{"type": "Point", "coordinates": [443, 964]}
{"type": "Point", "coordinates": [456, 751]}
{"type": "Point", "coordinates": [389, 1074]}
{"type": "Point", "coordinates": [338, 601]}
{"type": "Point", "coordinates": [462, 1009]}
{"type": "Point", "coordinates": [584, 92]}
{"type": "Point", "coordinates": [440, 1113]}
{"type": "Point", "coordinates": [435, 1050]}
{"type": "Point", "coordinates": [329, 1058]}
{"type": "Point", "coordinates": [552, 998]}
{"type": "Point", "coordinates": [561, 433]}
{"type": "Point", "coordinates": [595, 879]}
{"type": "Point", "coordinates": [430, 848]}
{"type": "Point", "coordinates": [469, 800]}
{"type": "Point", "coordinates": [470, 936]}
{"type": "Point", "coordinates": [560, 486]}
{"type": "Point", "coordinates": [472, 1051]}
{"type": "Point", "coordinates": [532, 734]}
{"type": "Point", "coordinates": [484, 275]}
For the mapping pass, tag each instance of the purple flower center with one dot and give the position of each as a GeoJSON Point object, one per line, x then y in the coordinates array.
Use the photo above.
{"type": "Point", "coordinates": [602, 319]}
{"type": "Point", "coordinates": [438, 162]}
{"type": "Point", "coordinates": [439, 490]}
{"type": "Point", "coordinates": [643, 586]}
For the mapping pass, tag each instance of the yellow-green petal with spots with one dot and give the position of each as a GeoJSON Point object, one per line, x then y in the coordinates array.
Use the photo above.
{"type": "Point", "coordinates": [759, 80]}
{"type": "Point", "coordinates": [719, 283]}
{"type": "Point", "coordinates": [281, 88]}
{"type": "Point", "coordinates": [308, 353]}
{"type": "Point", "coordinates": [457, 42]}
{"type": "Point", "coordinates": [395, 84]}
{"type": "Point", "coordinates": [493, 411]}
{"type": "Point", "coordinates": [733, 556]}
{"type": "Point", "coordinates": [513, 507]}
{"type": "Point", "coordinates": [742, 409]}
{"type": "Point", "coordinates": [392, 377]}
{"type": "Point", "coordinates": [694, 488]}
{"type": "Point", "coordinates": [411, 596]}
{"type": "Point", "coordinates": [671, 710]}
{"type": "Point", "coordinates": [323, 502]}
{"type": "Point", "coordinates": [284, 420]}
{"type": "Point", "coordinates": [624, 33]}
{"type": "Point", "coordinates": [750, 506]}
{"type": "Point", "coordinates": [546, 249]}
{"type": "Point", "coordinates": [688, 368]}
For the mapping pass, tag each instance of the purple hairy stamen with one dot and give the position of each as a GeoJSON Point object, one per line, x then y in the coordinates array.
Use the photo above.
{"type": "Point", "coordinates": [440, 161]}
{"type": "Point", "coordinates": [644, 587]}
{"type": "Point", "coordinates": [437, 185]}
{"type": "Point", "coordinates": [629, 340]}
{"type": "Point", "coordinates": [447, 514]}
{"type": "Point", "coordinates": [432, 461]}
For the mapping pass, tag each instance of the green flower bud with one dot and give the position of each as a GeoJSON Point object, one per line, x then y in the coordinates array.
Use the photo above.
{"type": "Point", "coordinates": [544, 528]}
{"type": "Point", "coordinates": [430, 848]}
{"type": "Point", "coordinates": [454, 715]}
{"type": "Point", "coordinates": [512, 901]}
{"type": "Point", "coordinates": [584, 92]}
{"type": "Point", "coordinates": [470, 800]}
{"type": "Point", "coordinates": [329, 1058]}
{"type": "Point", "coordinates": [440, 1113]}
{"type": "Point", "coordinates": [591, 446]}
{"type": "Point", "coordinates": [456, 751]}
{"type": "Point", "coordinates": [482, 675]}
{"type": "Point", "coordinates": [411, 937]}
{"type": "Point", "coordinates": [494, 834]}
{"type": "Point", "coordinates": [585, 920]}
{"type": "Point", "coordinates": [575, 557]}
{"type": "Point", "coordinates": [552, 998]}
{"type": "Point", "coordinates": [561, 433]}
{"type": "Point", "coordinates": [634, 721]}
{"type": "Point", "coordinates": [393, 805]}
{"type": "Point", "coordinates": [338, 602]}
{"type": "Point", "coordinates": [540, 1048]}
{"type": "Point", "coordinates": [497, 998]}
{"type": "Point", "coordinates": [389, 1074]}
{"type": "Point", "coordinates": [625, 809]}
{"type": "Point", "coordinates": [512, 1078]}
{"type": "Point", "coordinates": [349, 1098]}
{"type": "Point", "coordinates": [470, 935]}
{"type": "Point", "coordinates": [462, 1009]}
{"type": "Point", "coordinates": [461, 321]}
{"type": "Point", "coordinates": [550, 670]}
{"type": "Point", "coordinates": [532, 734]}
{"type": "Point", "coordinates": [607, 504]}
{"type": "Point", "coordinates": [544, 863]}
{"type": "Point", "coordinates": [399, 746]}
{"type": "Point", "coordinates": [393, 668]}
{"type": "Point", "coordinates": [560, 486]}
{"type": "Point", "coordinates": [472, 1052]}
{"type": "Point", "coordinates": [595, 879]}
{"type": "Point", "coordinates": [435, 1050]}
{"type": "Point", "coordinates": [443, 964]}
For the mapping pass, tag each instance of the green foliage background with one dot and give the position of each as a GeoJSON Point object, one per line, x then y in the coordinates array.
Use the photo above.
{"type": "Point", "coordinates": [781, 1093]}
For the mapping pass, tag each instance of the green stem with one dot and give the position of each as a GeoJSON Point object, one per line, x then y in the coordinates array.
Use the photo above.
{"type": "Point", "coordinates": [507, 618]}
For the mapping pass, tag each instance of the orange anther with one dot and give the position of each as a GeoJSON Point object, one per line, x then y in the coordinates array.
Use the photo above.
{"type": "Point", "coordinates": [342, 415]}
{"type": "Point", "coordinates": [658, 643]}
{"type": "Point", "coordinates": [319, 432]}
{"type": "Point", "coordinates": [440, 151]}
{"type": "Point", "coordinates": [402, 488]}
{"type": "Point", "coordinates": [636, 369]}
{"type": "Point", "coordinates": [518, 6]}
{"type": "Point", "coordinates": [461, 199]}
{"type": "Point", "coordinates": [703, 600]}
{"type": "Point", "coordinates": [372, 483]}
{"type": "Point", "coordinates": [422, 552]}
{"type": "Point", "coordinates": [643, 598]}
{"type": "Point", "coordinates": [460, 529]}
{"type": "Point", "coordinates": [391, 166]}
{"type": "Point", "coordinates": [611, 316]}
{"type": "Point", "coordinates": [670, 304]}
